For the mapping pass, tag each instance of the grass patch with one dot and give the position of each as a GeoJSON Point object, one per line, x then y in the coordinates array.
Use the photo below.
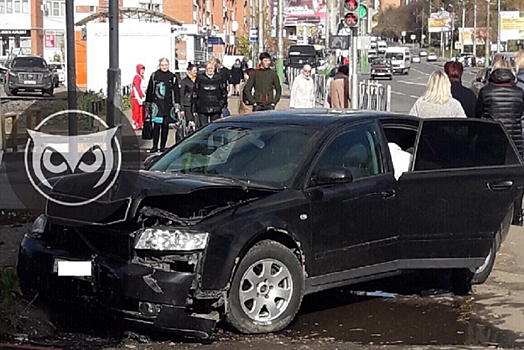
{"type": "Point", "coordinates": [9, 289]}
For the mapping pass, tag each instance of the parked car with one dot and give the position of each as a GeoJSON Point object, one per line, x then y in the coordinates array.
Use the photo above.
{"type": "Point", "coordinates": [246, 216]}
{"type": "Point", "coordinates": [432, 57]}
{"type": "Point", "coordinates": [28, 73]}
{"type": "Point", "coordinates": [415, 59]}
{"type": "Point", "coordinates": [59, 71]}
{"type": "Point", "coordinates": [381, 67]}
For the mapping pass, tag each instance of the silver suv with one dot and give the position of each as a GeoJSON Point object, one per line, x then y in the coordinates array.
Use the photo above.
{"type": "Point", "coordinates": [28, 73]}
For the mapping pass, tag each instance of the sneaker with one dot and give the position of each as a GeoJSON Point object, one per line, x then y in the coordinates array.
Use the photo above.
{"type": "Point", "coordinates": [152, 150]}
{"type": "Point", "coordinates": [162, 150]}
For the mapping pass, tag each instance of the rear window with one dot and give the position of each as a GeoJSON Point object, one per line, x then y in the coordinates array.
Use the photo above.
{"type": "Point", "coordinates": [34, 62]}
{"type": "Point", "coordinates": [452, 144]}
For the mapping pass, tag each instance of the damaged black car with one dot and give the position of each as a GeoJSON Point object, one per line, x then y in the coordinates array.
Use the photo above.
{"type": "Point", "coordinates": [246, 216]}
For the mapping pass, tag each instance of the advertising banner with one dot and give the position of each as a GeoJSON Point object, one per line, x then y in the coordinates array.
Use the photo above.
{"type": "Point", "coordinates": [511, 25]}
{"type": "Point", "coordinates": [305, 11]}
{"type": "Point", "coordinates": [439, 23]}
{"type": "Point", "coordinates": [468, 36]}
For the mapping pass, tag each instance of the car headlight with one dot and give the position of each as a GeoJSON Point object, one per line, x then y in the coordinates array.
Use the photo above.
{"type": "Point", "coordinates": [171, 239]}
{"type": "Point", "coordinates": [38, 227]}
{"type": "Point", "coordinates": [47, 75]}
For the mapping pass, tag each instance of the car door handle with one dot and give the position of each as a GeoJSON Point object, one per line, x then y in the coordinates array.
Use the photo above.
{"type": "Point", "coordinates": [387, 194]}
{"type": "Point", "coordinates": [500, 185]}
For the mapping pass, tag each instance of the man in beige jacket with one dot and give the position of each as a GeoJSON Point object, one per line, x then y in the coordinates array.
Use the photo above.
{"type": "Point", "coordinates": [340, 89]}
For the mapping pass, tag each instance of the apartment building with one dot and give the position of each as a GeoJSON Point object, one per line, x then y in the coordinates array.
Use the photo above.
{"type": "Point", "coordinates": [38, 26]}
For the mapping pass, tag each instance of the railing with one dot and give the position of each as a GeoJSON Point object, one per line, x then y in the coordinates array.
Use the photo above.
{"type": "Point", "coordinates": [374, 96]}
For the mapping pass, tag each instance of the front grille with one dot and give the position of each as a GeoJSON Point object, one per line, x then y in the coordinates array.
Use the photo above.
{"type": "Point", "coordinates": [31, 76]}
{"type": "Point", "coordinates": [87, 240]}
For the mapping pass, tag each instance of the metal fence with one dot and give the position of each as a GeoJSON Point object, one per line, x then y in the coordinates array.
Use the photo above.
{"type": "Point", "coordinates": [372, 95]}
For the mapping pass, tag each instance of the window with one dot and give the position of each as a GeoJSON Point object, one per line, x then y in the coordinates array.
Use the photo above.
{"type": "Point", "coordinates": [17, 7]}
{"type": "Point", "coordinates": [2, 6]}
{"type": "Point", "coordinates": [25, 6]}
{"type": "Point", "coordinates": [9, 6]}
{"type": "Point", "coordinates": [449, 145]}
{"type": "Point", "coordinates": [356, 150]}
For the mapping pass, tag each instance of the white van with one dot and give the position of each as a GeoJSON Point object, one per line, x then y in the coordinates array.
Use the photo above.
{"type": "Point", "coordinates": [400, 59]}
{"type": "Point", "coordinates": [381, 47]}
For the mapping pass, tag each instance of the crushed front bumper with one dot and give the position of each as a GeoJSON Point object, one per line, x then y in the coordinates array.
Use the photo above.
{"type": "Point", "coordinates": [134, 292]}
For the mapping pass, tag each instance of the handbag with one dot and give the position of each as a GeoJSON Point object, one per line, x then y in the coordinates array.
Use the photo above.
{"type": "Point", "coordinates": [147, 127]}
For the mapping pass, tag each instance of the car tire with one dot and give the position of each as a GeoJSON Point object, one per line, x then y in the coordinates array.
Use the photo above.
{"type": "Point", "coordinates": [481, 274]}
{"type": "Point", "coordinates": [50, 92]}
{"type": "Point", "coordinates": [252, 283]}
{"type": "Point", "coordinates": [9, 92]}
{"type": "Point", "coordinates": [461, 281]}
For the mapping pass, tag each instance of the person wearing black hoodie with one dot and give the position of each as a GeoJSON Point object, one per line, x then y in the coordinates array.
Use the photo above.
{"type": "Point", "coordinates": [163, 98]}
{"type": "Point", "coordinates": [209, 95]}
{"type": "Point", "coordinates": [503, 100]}
{"type": "Point", "coordinates": [465, 96]}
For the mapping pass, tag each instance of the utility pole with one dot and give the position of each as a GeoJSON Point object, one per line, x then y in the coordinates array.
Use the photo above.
{"type": "Point", "coordinates": [463, 25]}
{"type": "Point", "coordinates": [331, 26]}
{"type": "Point", "coordinates": [429, 33]}
{"type": "Point", "coordinates": [354, 74]}
{"type": "Point", "coordinates": [280, 35]}
{"type": "Point", "coordinates": [114, 93]}
{"type": "Point", "coordinates": [498, 26]}
{"type": "Point", "coordinates": [71, 67]}
{"type": "Point", "coordinates": [452, 29]}
{"type": "Point", "coordinates": [475, 31]}
{"type": "Point", "coordinates": [260, 27]}
{"type": "Point", "coordinates": [488, 42]}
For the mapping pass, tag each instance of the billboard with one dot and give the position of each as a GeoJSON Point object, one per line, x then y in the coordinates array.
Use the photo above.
{"type": "Point", "coordinates": [511, 25]}
{"type": "Point", "coordinates": [468, 36]}
{"type": "Point", "coordinates": [305, 11]}
{"type": "Point", "coordinates": [439, 22]}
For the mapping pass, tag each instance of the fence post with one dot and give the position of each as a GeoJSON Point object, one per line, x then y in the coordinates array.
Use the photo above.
{"type": "Point", "coordinates": [388, 98]}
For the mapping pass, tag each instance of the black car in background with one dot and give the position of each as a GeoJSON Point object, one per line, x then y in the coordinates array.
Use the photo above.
{"type": "Point", "coordinates": [29, 74]}
{"type": "Point", "coordinates": [246, 216]}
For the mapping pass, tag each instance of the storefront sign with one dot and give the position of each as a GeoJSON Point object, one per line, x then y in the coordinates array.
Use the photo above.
{"type": "Point", "coordinates": [21, 32]}
{"type": "Point", "coordinates": [49, 40]}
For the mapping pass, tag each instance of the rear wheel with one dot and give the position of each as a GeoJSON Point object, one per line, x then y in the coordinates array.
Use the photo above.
{"type": "Point", "coordinates": [267, 289]}
{"type": "Point", "coordinates": [481, 274]}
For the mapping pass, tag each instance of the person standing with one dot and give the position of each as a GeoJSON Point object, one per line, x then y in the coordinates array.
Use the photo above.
{"type": "Point", "coordinates": [266, 84]}
{"type": "Point", "coordinates": [235, 77]}
{"type": "Point", "coordinates": [465, 96]}
{"type": "Point", "coordinates": [303, 90]}
{"type": "Point", "coordinates": [163, 96]}
{"type": "Point", "coordinates": [209, 95]}
{"type": "Point", "coordinates": [340, 89]}
{"type": "Point", "coordinates": [437, 101]}
{"type": "Point", "coordinates": [224, 75]}
{"type": "Point", "coordinates": [138, 97]}
{"type": "Point", "coordinates": [327, 98]}
{"type": "Point", "coordinates": [503, 100]}
{"type": "Point", "coordinates": [243, 104]}
{"type": "Point", "coordinates": [186, 92]}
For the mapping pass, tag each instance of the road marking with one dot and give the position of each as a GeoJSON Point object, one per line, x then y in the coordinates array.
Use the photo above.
{"type": "Point", "coordinates": [415, 97]}
{"type": "Point", "coordinates": [418, 71]}
{"type": "Point", "coordinates": [403, 94]}
{"type": "Point", "coordinates": [411, 83]}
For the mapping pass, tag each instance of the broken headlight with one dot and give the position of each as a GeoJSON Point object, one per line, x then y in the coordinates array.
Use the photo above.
{"type": "Point", "coordinates": [171, 239]}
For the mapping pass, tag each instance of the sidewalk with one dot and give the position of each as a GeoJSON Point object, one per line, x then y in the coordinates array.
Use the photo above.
{"type": "Point", "coordinates": [131, 142]}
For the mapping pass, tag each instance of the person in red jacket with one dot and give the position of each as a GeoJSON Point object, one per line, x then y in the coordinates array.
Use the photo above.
{"type": "Point", "coordinates": [138, 97]}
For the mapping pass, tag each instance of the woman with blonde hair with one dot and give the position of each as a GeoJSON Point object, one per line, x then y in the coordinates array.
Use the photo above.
{"type": "Point", "coordinates": [503, 100]}
{"type": "Point", "coordinates": [437, 101]}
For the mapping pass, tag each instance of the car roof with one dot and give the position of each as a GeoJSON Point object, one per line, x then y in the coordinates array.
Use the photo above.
{"type": "Point", "coordinates": [314, 117]}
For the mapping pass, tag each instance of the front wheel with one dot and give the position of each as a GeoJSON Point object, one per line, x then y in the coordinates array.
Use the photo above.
{"type": "Point", "coordinates": [267, 289]}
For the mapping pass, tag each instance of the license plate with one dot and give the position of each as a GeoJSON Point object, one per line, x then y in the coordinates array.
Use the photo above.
{"type": "Point", "coordinates": [72, 268]}
{"type": "Point", "coordinates": [29, 82]}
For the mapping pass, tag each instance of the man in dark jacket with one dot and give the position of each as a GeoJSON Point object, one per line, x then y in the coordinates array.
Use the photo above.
{"type": "Point", "coordinates": [209, 96]}
{"type": "Point", "coordinates": [465, 96]}
{"type": "Point", "coordinates": [186, 93]}
{"type": "Point", "coordinates": [265, 81]}
{"type": "Point", "coordinates": [503, 100]}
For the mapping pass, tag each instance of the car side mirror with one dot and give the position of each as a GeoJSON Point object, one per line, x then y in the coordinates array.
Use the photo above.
{"type": "Point", "coordinates": [333, 176]}
{"type": "Point", "coordinates": [150, 160]}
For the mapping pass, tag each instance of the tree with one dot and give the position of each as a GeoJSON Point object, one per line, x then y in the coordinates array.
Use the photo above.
{"type": "Point", "coordinates": [244, 46]}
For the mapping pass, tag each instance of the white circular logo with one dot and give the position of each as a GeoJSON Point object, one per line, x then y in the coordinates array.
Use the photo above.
{"type": "Point", "coordinates": [49, 156]}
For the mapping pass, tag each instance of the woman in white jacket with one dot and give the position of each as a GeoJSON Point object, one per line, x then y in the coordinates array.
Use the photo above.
{"type": "Point", "coordinates": [303, 90]}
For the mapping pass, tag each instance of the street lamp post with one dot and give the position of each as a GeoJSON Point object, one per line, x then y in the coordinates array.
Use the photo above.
{"type": "Point", "coordinates": [498, 26]}
{"type": "Point", "coordinates": [452, 29]}
{"type": "Point", "coordinates": [475, 31]}
{"type": "Point", "coordinates": [463, 25]}
{"type": "Point", "coordinates": [486, 62]}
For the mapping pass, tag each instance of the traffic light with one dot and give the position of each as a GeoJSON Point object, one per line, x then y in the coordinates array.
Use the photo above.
{"type": "Point", "coordinates": [352, 16]}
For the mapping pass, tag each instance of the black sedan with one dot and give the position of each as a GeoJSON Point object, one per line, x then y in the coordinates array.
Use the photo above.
{"type": "Point", "coordinates": [246, 216]}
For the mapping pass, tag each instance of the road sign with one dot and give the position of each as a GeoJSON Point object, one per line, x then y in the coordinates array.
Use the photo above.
{"type": "Point", "coordinates": [404, 33]}
{"type": "Point", "coordinates": [253, 34]}
{"type": "Point", "coordinates": [412, 36]}
{"type": "Point", "coordinates": [340, 42]}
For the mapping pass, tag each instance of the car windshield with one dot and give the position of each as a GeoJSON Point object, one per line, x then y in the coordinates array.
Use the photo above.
{"type": "Point", "coordinates": [394, 56]}
{"type": "Point", "coordinates": [35, 62]}
{"type": "Point", "coordinates": [260, 155]}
